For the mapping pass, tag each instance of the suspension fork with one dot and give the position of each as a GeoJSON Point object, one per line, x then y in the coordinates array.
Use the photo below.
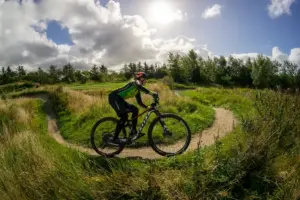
{"type": "Point", "coordinates": [162, 123]}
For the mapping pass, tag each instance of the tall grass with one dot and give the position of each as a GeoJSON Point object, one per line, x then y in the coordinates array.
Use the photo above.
{"type": "Point", "coordinates": [263, 162]}
{"type": "Point", "coordinates": [259, 160]}
{"type": "Point", "coordinates": [32, 165]}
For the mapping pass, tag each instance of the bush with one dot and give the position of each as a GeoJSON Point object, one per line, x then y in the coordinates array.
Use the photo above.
{"type": "Point", "coordinates": [169, 81]}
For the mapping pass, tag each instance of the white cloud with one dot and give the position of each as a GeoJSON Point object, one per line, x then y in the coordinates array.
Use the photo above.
{"type": "Point", "coordinates": [295, 56]}
{"type": "Point", "coordinates": [245, 56]}
{"type": "Point", "coordinates": [214, 11]}
{"type": "Point", "coordinates": [277, 54]}
{"type": "Point", "coordinates": [100, 35]}
{"type": "Point", "coordinates": [280, 7]}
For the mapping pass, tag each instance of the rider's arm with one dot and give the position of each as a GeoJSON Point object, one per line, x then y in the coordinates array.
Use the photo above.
{"type": "Point", "coordinates": [139, 100]}
{"type": "Point", "coordinates": [142, 88]}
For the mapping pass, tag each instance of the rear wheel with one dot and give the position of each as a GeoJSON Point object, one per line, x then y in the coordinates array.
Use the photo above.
{"type": "Point", "coordinates": [101, 134]}
{"type": "Point", "coordinates": [169, 135]}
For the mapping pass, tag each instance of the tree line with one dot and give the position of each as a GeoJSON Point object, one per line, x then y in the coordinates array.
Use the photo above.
{"type": "Point", "coordinates": [260, 72]}
{"type": "Point", "coordinates": [68, 74]}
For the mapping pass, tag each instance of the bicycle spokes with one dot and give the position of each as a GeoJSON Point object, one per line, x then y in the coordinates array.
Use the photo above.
{"type": "Point", "coordinates": [169, 135]}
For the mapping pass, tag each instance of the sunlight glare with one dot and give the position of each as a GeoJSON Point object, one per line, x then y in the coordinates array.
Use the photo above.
{"type": "Point", "coordinates": [161, 12]}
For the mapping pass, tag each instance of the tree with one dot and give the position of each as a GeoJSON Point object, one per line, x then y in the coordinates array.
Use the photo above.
{"type": "Point", "coordinates": [161, 72]}
{"type": "Point", "coordinates": [139, 67]}
{"type": "Point", "coordinates": [95, 74]}
{"type": "Point", "coordinates": [263, 72]}
{"type": "Point", "coordinates": [103, 73]}
{"type": "Point", "coordinates": [42, 76]}
{"type": "Point", "coordinates": [53, 74]}
{"type": "Point", "coordinates": [127, 74]}
{"type": "Point", "coordinates": [21, 73]}
{"type": "Point", "coordinates": [223, 72]}
{"type": "Point", "coordinates": [208, 69]}
{"type": "Point", "coordinates": [132, 68]}
{"type": "Point", "coordinates": [288, 75]}
{"type": "Point", "coordinates": [151, 71]}
{"type": "Point", "coordinates": [3, 77]}
{"type": "Point", "coordinates": [68, 73]}
{"type": "Point", "coordinates": [103, 69]}
{"type": "Point", "coordinates": [194, 67]}
{"type": "Point", "coordinates": [146, 68]}
{"type": "Point", "coordinates": [175, 69]}
{"type": "Point", "coordinates": [244, 77]}
{"type": "Point", "coordinates": [80, 77]}
{"type": "Point", "coordinates": [10, 75]}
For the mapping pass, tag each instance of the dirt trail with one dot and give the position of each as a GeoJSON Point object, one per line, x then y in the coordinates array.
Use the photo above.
{"type": "Point", "coordinates": [223, 124]}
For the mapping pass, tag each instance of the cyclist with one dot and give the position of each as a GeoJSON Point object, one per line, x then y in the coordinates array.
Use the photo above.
{"type": "Point", "coordinates": [117, 101]}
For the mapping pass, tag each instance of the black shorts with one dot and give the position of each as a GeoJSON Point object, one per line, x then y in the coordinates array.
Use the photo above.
{"type": "Point", "coordinates": [120, 105]}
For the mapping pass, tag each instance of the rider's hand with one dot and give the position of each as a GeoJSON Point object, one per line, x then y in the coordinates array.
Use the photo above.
{"type": "Point", "coordinates": [155, 94]}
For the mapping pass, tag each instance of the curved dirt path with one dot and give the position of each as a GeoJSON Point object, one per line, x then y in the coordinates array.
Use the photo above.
{"type": "Point", "coordinates": [223, 124]}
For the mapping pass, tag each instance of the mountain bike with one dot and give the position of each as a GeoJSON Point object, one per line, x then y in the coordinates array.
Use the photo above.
{"type": "Point", "coordinates": [166, 130]}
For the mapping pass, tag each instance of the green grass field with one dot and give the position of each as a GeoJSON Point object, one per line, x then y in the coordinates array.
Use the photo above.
{"type": "Point", "coordinates": [258, 160]}
{"type": "Point", "coordinates": [92, 86]}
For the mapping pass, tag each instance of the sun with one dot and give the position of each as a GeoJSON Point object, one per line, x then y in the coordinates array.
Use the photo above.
{"type": "Point", "coordinates": [161, 12]}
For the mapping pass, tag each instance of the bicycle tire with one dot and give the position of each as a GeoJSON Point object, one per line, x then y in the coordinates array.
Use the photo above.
{"type": "Point", "coordinates": [92, 138]}
{"type": "Point", "coordinates": [154, 146]}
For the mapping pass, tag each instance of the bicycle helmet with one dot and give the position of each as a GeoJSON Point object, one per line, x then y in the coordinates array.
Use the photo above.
{"type": "Point", "coordinates": [139, 75]}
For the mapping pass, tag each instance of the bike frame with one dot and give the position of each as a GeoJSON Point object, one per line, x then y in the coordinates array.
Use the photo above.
{"type": "Point", "coordinates": [150, 110]}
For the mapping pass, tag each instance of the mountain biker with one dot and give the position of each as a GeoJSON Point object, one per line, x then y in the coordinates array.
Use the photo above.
{"type": "Point", "coordinates": [117, 101]}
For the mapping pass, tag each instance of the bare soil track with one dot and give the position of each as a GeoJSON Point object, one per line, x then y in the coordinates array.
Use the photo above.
{"type": "Point", "coordinates": [223, 124]}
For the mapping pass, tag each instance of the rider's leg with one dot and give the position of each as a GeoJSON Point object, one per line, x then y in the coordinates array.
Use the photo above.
{"type": "Point", "coordinates": [119, 105]}
{"type": "Point", "coordinates": [135, 112]}
{"type": "Point", "coordinates": [120, 125]}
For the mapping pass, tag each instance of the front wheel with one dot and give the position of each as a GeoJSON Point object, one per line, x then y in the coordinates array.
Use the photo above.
{"type": "Point", "coordinates": [102, 132]}
{"type": "Point", "coordinates": [169, 135]}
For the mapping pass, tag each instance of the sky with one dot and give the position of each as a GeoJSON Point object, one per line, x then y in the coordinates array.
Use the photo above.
{"type": "Point", "coordinates": [37, 33]}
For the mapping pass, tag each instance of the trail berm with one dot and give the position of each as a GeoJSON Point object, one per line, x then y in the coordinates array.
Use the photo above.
{"type": "Point", "coordinates": [223, 124]}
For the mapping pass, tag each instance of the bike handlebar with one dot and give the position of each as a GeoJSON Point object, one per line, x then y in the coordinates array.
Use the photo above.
{"type": "Point", "coordinates": [156, 101]}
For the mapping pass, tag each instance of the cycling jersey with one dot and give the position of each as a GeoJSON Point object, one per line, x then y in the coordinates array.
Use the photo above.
{"type": "Point", "coordinates": [131, 89]}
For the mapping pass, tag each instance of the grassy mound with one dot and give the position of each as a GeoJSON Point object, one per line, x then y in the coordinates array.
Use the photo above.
{"type": "Point", "coordinates": [15, 87]}
{"type": "Point", "coordinates": [33, 165]}
{"type": "Point", "coordinates": [78, 111]}
{"type": "Point", "coordinates": [240, 101]}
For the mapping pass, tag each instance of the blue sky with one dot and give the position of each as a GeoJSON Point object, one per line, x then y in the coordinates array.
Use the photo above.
{"type": "Point", "coordinates": [58, 34]}
{"type": "Point", "coordinates": [243, 27]}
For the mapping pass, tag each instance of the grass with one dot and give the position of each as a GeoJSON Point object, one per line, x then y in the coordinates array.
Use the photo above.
{"type": "Point", "coordinates": [94, 85]}
{"type": "Point", "coordinates": [240, 101]}
{"type": "Point", "coordinates": [78, 111]}
{"type": "Point", "coordinates": [33, 165]}
{"type": "Point", "coordinates": [15, 87]}
{"type": "Point", "coordinates": [258, 160]}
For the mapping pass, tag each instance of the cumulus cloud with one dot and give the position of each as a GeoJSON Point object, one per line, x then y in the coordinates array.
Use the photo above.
{"type": "Point", "coordinates": [214, 11]}
{"type": "Point", "coordinates": [277, 55]}
{"type": "Point", "coordinates": [101, 34]}
{"type": "Point", "coordinates": [279, 7]}
{"type": "Point", "coordinates": [293, 57]}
